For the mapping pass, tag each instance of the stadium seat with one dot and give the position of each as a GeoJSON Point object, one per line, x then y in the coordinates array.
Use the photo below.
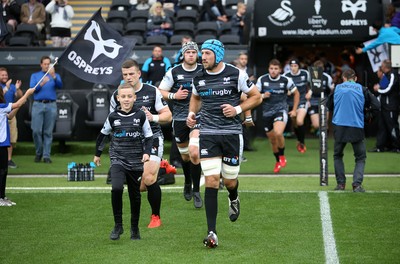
{"type": "Point", "coordinates": [135, 28]}
{"type": "Point", "coordinates": [139, 39]}
{"type": "Point", "coordinates": [19, 41]}
{"type": "Point", "coordinates": [184, 28]}
{"type": "Point", "coordinates": [138, 16]}
{"type": "Point", "coordinates": [28, 30]}
{"type": "Point", "coordinates": [117, 16]}
{"type": "Point", "coordinates": [231, 4]}
{"type": "Point", "coordinates": [187, 15]}
{"type": "Point", "coordinates": [199, 39]}
{"type": "Point", "coordinates": [176, 40]}
{"type": "Point", "coordinates": [117, 26]}
{"type": "Point", "coordinates": [157, 40]}
{"type": "Point", "coordinates": [98, 102]}
{"type": "Point", "coordinates": [190, 5]}
{"type": "Point", "coordinates": [230, 39]}
{"type": "Point", "coordinates": [207, 27]}
{"type": "Point", "coordinates": [120, 5]}
{"type": "Point", "coordinates": [67, 110]}
{"type": "Point", "coordinates": [225, 28]}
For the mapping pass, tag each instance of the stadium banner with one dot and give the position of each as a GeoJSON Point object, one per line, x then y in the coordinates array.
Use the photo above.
{"type": "Point", "coordinates": [97, 52]}
{"type": "Point", "coordinates": [316, 84]}
{"type": "Point", "coordinates": [346, 20]}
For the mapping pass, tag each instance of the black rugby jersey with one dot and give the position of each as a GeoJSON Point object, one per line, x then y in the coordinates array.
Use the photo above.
{"type": "Point", "coordinates": [128, 131]}
{"type": "Point", "coordinates": [148, 96]}
{"type": "Point", "coordinates": [216, 89]}
{"type": "Point", "coordinates": [327, 87]}
{"type": "Point", "coordinates": [301, 81]}
{"type": "Point", "coordinates": [172, 81]}
{"type": "Point", "coordinates": [278, 88]}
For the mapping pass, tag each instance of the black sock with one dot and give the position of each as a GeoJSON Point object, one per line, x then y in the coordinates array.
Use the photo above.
{"type": "Point", "coordinates": [301, 131]}
{"type": "Point", "coordinates": [195, 171]}
{"type": "Point", "coordinates": [276, 154]}
{"type": "Point", "coordinates": [116, 202]}
{"type": "Point", "coordinates": [211, 205]}
{"type": "Point", "coordinates": [233, 194]}
{"type": "Point", "coordinates": [297, 132]}
{"type": "Point", "coordinates": [281, 151]}
{"type": "Point", "coordinates": [186, 172]}
{"type": "Point", "coordinates": [154, 198]}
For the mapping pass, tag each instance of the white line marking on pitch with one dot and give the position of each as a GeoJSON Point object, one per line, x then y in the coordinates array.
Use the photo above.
{"type": "Point", "coordinates": [331, 255]}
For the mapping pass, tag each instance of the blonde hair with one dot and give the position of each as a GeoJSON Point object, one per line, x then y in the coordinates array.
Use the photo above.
{"type": "Point", "coordinates": [153, 7]}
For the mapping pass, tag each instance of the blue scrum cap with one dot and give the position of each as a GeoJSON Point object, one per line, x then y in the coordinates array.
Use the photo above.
{"type": "Point", "coordinates": [215, 46]}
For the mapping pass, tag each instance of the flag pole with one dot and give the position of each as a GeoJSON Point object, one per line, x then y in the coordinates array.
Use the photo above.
{"type": "Point", "coordinates": [51, 67]}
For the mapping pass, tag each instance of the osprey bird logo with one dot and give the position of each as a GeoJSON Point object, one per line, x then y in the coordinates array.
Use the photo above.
{"type": "Point", "coordinates": [100, 43]}
{"type": "Point", "coordinates": [348, 5]}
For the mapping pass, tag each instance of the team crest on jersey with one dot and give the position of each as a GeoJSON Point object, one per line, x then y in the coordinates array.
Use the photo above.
{"type": "Point", "coordinates": [146, 98]}
{"type": "Point", "coordinates": [136, 121]}
{"type": "Point", "coordinates": [117, 122]}
{"type": "Point", "coordinates": [281, 85]}
{"type": "Point", "coordinates": [227, 80]}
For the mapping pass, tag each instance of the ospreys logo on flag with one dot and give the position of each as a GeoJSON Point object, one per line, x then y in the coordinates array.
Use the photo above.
{"type": "Point", "coordinates": [97, 52]}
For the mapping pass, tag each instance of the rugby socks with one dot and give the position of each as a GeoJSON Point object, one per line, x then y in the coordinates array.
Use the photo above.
{"type": "Point", "coordinates": [116, 202]}
{"type": "Point", "coordinates": [211, 205]}
{"type": "Point", "coordinates": [195, 171]}
{"type": "Point", "coordinates": [281, 152]}
{"type": "Point", "coordinates": [300, 133]}
{"type": "Point", "coordinates": [186, 172]}
{"type": "Point", "coordinates": [154, 198]}
{"type": "Point", "coordinates": [276, 154]}
{"type": "Point", "coordinates": [233, 194]}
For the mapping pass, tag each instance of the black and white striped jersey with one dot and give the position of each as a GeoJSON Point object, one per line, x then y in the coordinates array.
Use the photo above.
{"type": "Point", "coordinates": [173, 79]}
{"type": "Point", "coordinates": [128, 131]}
{"type": "Point", "coordinates": [216, 89]}
{"type": "Point", "coordinates": [278, 88]}
{"type": "Point", "coordinates": [301, 81]}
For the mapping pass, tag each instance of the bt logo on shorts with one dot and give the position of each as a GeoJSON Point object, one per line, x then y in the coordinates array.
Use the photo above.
{"type": "Point", "coordinates": [211, 92]}
{"type": "Point", "coordinates": [233, 160]}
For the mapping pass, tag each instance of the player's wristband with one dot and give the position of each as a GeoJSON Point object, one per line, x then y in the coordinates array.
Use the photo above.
{"type": "Point", "coordinates": [156, 118]}
{"type": "Point", "coordinates": [238, 109]}
{"type": "Point", "coordinates": [248, 119]}
{"type": "Point", "coordinates": [171, 96]}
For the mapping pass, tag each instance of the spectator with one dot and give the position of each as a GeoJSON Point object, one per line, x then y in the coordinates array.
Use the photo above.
{"type": "Point", "coordinates": [388, 126]}
{"type": "Point", "coordinates": [11, 94]}
{"type": "Point", "coordinates": [385, 35]}
{"type": "Point", "coordinates": [11, 13]}
{"type": "Point", "coordinates": [238, 21]}
{"type": "Point", "coordinates": [347, 103]}
{"type": "Point", "coordinates": [44, 108]}
{"type": "Point", "coordinates": [393, 15]}
{"type": "Point", "coordinates": [159, 23]}
{"type": "Point", "coordinates": [33, 12]}
{"type": "Point", "coordinates": [61, 15]}
{"type": "Point", "coordinates": [213, 10]}
{"type": "Point", "coordinates": [155, 67]}
{"type": "Point", "coordinates": [140, 4]}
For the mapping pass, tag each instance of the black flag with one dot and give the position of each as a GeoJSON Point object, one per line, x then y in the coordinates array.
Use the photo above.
{"type": "Point", "coordinates": [97, 52]}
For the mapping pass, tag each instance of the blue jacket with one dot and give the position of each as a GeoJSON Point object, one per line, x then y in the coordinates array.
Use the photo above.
{"type": "Point", "coordinates": [348, 99]}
